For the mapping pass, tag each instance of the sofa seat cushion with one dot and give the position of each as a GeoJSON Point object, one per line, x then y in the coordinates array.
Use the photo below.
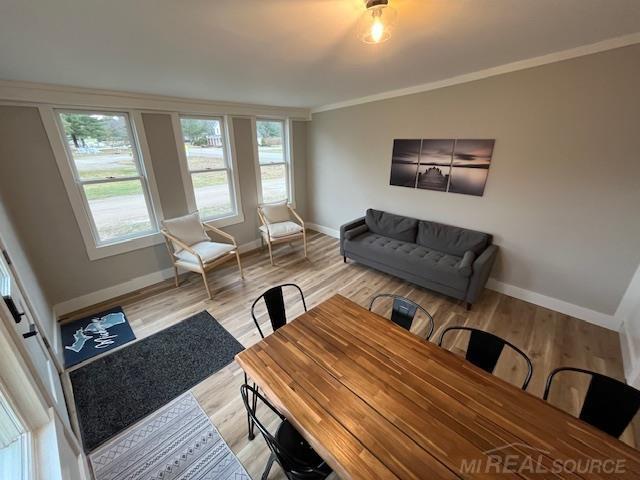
{"type": "Point", "coordinates": [393, 226]}
{"type": "Point", "coordinates": [282, 229]}
{"type": "Point", "coordinates": [208, 251]}
{"type": "Point", "coordinates": [431, 264]}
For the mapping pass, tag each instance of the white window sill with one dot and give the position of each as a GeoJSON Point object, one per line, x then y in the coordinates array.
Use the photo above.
{"type": "Point", "coordinates": [225, 221]}
{"type": "Point", "coordinates": [97, 252]}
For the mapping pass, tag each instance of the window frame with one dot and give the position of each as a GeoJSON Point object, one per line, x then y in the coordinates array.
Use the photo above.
{"type": "Point", "coordinates": [26, 437]}
{"type": "Point", "coordinates": [231, 167]}
{"type": "Point", "coordinates": [97, 248]}
{"type": "Point", "coordinates": [287, 150]}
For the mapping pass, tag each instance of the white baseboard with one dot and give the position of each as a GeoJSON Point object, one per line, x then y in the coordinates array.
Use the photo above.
{"type": "Point", "coordinates": [601, 319]}
{"type": "Point", "coordinates": [332, 232]}
{"type": "Point", "coordinates": [114, 291]}
{"type": "Point", "coordinates": [132, 285]}
{"type": "Point", "coordinates": [252, 245]}
{"type": "Point", "coordinates": [555, 304]}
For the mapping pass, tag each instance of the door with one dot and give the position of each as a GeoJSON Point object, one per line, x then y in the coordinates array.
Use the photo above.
{"type": "Point", "coordinates": [42, 364]}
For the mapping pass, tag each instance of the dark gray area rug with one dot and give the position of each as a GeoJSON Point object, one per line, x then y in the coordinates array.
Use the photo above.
{"type": "Point", "coordinates": [115, 391]}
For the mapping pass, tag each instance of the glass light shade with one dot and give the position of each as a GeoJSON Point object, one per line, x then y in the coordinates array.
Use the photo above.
{"type": "Point", "coordinates": [377, 23]}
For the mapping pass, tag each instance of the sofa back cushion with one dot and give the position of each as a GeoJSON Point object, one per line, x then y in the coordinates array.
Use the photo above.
{"type": "Point", "coordinates": [451, 240]}
{"type": "Point", "coordinates": [392, 226]}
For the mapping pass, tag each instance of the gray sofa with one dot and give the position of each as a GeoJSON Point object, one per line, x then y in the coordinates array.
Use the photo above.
{"type": "Point", "coordinates": [450, 260]}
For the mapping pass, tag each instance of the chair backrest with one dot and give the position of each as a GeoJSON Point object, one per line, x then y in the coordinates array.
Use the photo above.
{"type": "Point", "coordinates": [609, 404]}
{"type": "Point", "coordinates": [484, 350]}
{"type": "Point", "coordinates": [274, 301]}
{"type": "Point", "coordinates": [188, 229]}
{"type": "Point", "coordinates": [284, 453]}
{"type": "Point", "coordinates": [275, 212]}
{"type": "Point", "coordinates": [403, 312]}
{"type": "Point", "coordinates": [284, 457]}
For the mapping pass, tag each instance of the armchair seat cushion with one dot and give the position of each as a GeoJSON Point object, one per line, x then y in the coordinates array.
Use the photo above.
{"type": "Point", "coordinates": [208, 251]}
{"type": "Point", "coordinates": [282, 229]}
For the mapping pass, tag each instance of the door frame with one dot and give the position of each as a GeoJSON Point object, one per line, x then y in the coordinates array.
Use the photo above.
{"type": "Point", "coordinates": [32, 405]}
{"type": "Point", "coordinates": [55, 355]}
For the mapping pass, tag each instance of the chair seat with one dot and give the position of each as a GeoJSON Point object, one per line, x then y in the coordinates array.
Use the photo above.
{"type": "Point", "coordinates": [305, 456]}
{"type": "Point", "coordinates": [208, 251]}
{"type": "Point", "coordinates": [282, 229]}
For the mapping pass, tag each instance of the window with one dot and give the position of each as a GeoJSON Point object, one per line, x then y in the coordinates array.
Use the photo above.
{"type": "Point", "coordinates": [13, 444]}
{"type": "Point", "coordinates": [105, 163]}
{"type": "Point", "coordinates": [273, 161]}
{"type": "Point", "coordinates": [208, 167]}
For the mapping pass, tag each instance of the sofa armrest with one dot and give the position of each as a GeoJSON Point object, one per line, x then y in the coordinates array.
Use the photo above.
{"type": "Point", "coordinates": [466, 264]}
{"type": "Point", "coordinates": [354, 232]}
{"type": "Point", "coordinates": [349, 226]}
{"type": "Point", "coordinates": [481, 270]}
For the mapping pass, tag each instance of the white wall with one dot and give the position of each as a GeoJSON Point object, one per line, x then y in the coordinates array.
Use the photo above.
{"type": "Point", "coordinates": [42, 308]}
{"type": "Point", "coordinates": [562, 194]}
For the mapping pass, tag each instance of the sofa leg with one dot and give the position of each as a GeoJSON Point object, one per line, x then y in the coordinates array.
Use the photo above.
{"type": "Point", "coordinates": [467, 306]}
{"type": "Point", "coordinates": [344, 258]}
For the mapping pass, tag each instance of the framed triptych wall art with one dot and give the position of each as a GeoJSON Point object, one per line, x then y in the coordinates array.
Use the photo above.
{"type": "Point", "coordinates": [445, 165]}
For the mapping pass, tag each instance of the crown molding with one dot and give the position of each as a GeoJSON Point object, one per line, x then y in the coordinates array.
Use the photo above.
{"type": "Point", "coordinates": [609, 44]}
{"type": "Point", "coordinates": [49, 94]}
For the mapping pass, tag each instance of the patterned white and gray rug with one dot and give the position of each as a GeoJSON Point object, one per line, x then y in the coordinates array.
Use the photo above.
{"type": "Point", "coordinates": [177, 442]}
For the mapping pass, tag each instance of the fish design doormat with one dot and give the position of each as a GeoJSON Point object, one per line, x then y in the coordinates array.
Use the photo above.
{"type": "Point", "coordinates": [93, 335]}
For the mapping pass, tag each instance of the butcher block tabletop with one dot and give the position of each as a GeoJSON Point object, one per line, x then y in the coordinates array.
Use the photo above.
{"type": "Point", "coordinates": [376, 401]}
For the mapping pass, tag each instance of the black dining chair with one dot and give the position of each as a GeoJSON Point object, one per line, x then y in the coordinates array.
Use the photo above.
{"type": "Point", "coordinates": [484, 350]}
{"type": "Point", "coordinates": [274, 301]}
{"type": "Point", "coordinates": [403, 312]}
{"type": "Point", "coordinates": [292, 452]}
{"type": "Point", "coordinates": [609, 404]}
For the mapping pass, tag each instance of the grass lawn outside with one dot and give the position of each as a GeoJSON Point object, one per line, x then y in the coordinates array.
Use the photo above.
{"type": "Point", "coordinates": [96, 166]}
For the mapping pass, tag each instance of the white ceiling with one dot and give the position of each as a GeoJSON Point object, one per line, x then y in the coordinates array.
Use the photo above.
{"type": "Point", "coordinates": [285, 52]}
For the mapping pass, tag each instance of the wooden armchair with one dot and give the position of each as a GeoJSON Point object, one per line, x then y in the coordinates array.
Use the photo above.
{"type": "Point", "coordinates": [278, 227]}
{"type": "Point", "coordinates": [192, 248]}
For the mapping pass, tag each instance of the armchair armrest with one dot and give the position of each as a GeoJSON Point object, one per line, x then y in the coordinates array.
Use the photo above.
{"type": "Point", "coordinates": [349, 226]}
{"type": "Point", "coordinates": [481, 270]}
{"type": "Point", "coordinates": [264, 222]}
{"type": "Point", "coordinates": [213, 229]}
{"type": "Point", "coordinates": [295, 214]}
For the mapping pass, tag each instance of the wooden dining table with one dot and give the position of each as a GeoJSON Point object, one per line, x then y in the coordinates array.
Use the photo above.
{"type": "Point", "coordinates": [377, 402]}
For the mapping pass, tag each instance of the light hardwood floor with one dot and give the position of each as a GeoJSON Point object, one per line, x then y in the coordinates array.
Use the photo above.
{"type": "Point", "coordinates": [549, 338]}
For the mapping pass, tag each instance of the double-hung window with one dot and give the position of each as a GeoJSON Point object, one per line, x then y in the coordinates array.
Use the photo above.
{"type": "Point", "coordinates": [105, 162]}
{"type": "Point", "coordinates": [208, 168]}
{"type": "Point", "coordinates": [274, 167]}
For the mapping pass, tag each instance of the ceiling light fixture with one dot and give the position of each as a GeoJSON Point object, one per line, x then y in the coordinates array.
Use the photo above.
{"type": "Point", "coordinates": [377, 22]}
